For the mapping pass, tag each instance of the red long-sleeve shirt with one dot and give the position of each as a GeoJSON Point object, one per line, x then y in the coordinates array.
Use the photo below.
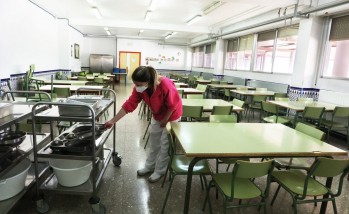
{"type": "Point", "coordinates": [164, 98]}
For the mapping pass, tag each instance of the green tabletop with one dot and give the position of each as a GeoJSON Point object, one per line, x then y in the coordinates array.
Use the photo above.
{"type": "Point", "coordinates": [73, 88]}
{"type": "Point", "coordinates": [203, 82]}
{"type": "Point", "coordinates": [190, 91]}
{"type": "Point", "coordinates": [61, 82]}
{"type": "Point", "coordinates": [222, 86]}
{"type": "Point", "coordinates": [209, 140]}
{"type": "Point", "coordinates": [209, 103]}
{"type": "Point", "coordinates": [300, 105]}
{"type": "Point", "coordinates": [253, 93]}
{"type": "Point", "coordinates": [181, 85]}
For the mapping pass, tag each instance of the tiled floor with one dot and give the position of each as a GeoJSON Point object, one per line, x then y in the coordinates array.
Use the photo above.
{"type": "Point", "coordinates": [122, 191]}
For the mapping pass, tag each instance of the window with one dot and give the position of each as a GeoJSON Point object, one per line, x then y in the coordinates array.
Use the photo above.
{"type": "Point", "coordinates": [198, 56]}
{"type": "Point", "coordinates": [285, 50]}
{"type": "Point", "coordinates": [337, 63]}
{"type": "Point", "coordinates": [279, 57]}
{"type": "Point", "coordinates": [209, 55]}
{"type": "Point", "coordinates": [264, 51]}
{"type": "Point", "coordinates": [244, 54]}
{"type": "Point", "coordinates": [231, 55]}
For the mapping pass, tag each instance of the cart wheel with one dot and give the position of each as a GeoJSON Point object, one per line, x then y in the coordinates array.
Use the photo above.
{"type": "Point", "coordinates": [42, 206]}
{"type": "Point", "coordinates": [98, 208]}
{"type": "Point", "coordinates": [116, 159]}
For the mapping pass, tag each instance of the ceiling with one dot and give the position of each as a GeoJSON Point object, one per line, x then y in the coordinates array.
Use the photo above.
{"type": "Point", "coordinates": [125, 18]}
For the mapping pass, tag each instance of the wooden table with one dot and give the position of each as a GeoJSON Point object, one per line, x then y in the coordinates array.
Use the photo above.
{"type": "Point", "coordinates": [253, 140]}
{"type": "Point", "coordinates": [73, 88]}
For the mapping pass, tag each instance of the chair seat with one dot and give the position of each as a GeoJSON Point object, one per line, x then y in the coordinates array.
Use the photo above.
{"type": "Point", "coordinates": [292, 163]}
{"type": "Point", "coordinates": [294, 181]}
{"type": "Point", "coordinates": [276, 119]}
{"type": "Point", "coordinates": [180, 164]}
{"type": "Point", "coordinates": [244, 188]}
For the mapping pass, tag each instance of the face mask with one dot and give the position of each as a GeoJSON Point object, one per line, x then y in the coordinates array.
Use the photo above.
{"type": "Point", "coordinates": [140, 89]}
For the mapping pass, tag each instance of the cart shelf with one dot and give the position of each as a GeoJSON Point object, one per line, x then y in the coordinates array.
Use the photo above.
{"type": "Point", "coordinates": [51, 183]}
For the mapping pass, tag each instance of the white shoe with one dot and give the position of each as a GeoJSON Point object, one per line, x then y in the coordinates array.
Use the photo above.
{"type": "Point", "coordinates": [154, 177]}
{"type": "Point", "coordinates": [144, 171]}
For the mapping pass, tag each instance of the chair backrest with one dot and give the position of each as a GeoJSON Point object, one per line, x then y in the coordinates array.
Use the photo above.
{"type": "Point", "coordinates": [261, 89]}
{"type": "Point", "coordinates": [98, 80]}
{"type": "Point", "coordinates": [280, 95]}
{"type": "Point", "coordinates": [82, 78]}
{"type": "Point", "coordinates": [282, 99]}
{"type": "Point", "coordinates": [192, 111]}
{"type": "Point", "coordinates": [249, 170]}
{"type": "Point", "coordinates": [327, 167]}
{"type": "Point", "coordinates": [314, 113]}
{"type": "Point", "coordinates": [227, 92]}
{"type": "Point", "coordinates": [172, 146]}
{"type": "Point", "coordinates": [237, 102]}
{"type": "Point", "coordinates": [223, 82]}
{"type": "Point", "coordinates": [269, 108]}
{"type": "Point", "coordinates": [62, 92]}
{"type": "Point", "coordinates": [306, 99]}
{"type": "Point", "coordinates": [222, 110]}
{"type": "Point", "coordinates": [195, 96]}
{"type": "Point", "coordinates": [341, 111]}
{"type": "Point", "coordinates": [259, 98]}
{"type": "Point", "coordinates": [223, 118]}
{"type": "Point", "coordinates": [309, 130]}
{"type": "Point", "coordinates": [214, 81]}
{"type": "Point", "coordinates": [201, 87]}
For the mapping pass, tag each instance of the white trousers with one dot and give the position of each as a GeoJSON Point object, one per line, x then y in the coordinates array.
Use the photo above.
{"type": "Point", "coordinates": [157, 157]}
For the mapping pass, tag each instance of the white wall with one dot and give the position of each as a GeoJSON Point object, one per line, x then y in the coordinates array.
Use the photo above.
{"type": "Point", "coordinates": [97, 46]}
{"type": "Point", "coordinates": [168, 56]}
{"type": "Point", "coordinates": [29, 35]}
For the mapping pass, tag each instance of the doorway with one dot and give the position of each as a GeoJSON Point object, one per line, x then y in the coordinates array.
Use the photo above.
{"type": "Point", "coordinates": [129, 61]}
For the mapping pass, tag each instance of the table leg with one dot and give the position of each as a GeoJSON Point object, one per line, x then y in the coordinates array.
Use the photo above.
{"type": "Point", "coordinates": [188, 187]}
{"type": "Point", "coordinates": [324, 203]}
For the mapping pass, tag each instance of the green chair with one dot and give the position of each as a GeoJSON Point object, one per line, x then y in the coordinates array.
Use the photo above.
{"type": "Point", "coordinates": [83, 78]}
{"type": "Point", "coordinates": [201, 88]}
{"type": "Point", "coordinates": [301, 185]}
{"type": "Point", "coordinates": [238, 103]}
{"type": "Point", "coordinates": [300, 163]}
{"type": "Point", "coordinates": [223, 118]}
{"type": "Point", "coordinates": [312, 115]}
{"type": "Point", "coordinates": [99, 81]}
{"type": "Point", "coordinates": [270, 114]}
{"type": "Point", "coordinates": [192, 112]}
{"type": "Point", "coordinates": [195, 96]}
{"type": "Point", "coordinates": [222, 110]}
{"type": "Point", "coordinates": [62, 92]}
{"type": "Point", "coordinates": [339, 121]}
{"type": "Point", "coordinates": [280, 95]}
{"type": "Point", "coordinates": [179, 164]}
{"type": "Point", "coordinates": [256, 105]}
{"type": "Point", "coordinates": [227, 95]}
{"type": "Point", "coordinates": [223, 82]}
{"type": "Point", "coordinates": [241, 184]}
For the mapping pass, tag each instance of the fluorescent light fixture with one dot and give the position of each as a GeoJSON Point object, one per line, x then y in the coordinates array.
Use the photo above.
{"type": "Point", "coordinates": [148, 15]}
{"type": "Point", "coordinates": [141, 30]}
{"type": "Point", "coordinates": [152, 5]}
{"type": "Point", "coordinates": [194, 19]}
{"type": "Point", "coordinates": [214, 5]}
{"type": "Point", "coordinates": [173, 33]}
{"type": "Point", "coordinates": [105, 28]}
{"type": "Point", "coordinates": [97, 13]}
{"type": "Point", "coordinates": [108, 32]}
{"type": "Point", "coordinates": [92, 3]}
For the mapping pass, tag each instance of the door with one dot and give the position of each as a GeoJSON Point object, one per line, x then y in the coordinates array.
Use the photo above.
{"type": "Point", "coordinates": [129, 61]}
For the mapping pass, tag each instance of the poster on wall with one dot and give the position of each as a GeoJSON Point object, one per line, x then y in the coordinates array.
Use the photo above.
{"type": "Point", "coordinates": [173, 59]}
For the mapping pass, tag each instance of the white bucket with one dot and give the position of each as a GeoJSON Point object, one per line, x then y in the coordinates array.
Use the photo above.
{"type": "Point", "coordinates": [13, 181]}
{"type": "Point", "coordinates": [71, 173]}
